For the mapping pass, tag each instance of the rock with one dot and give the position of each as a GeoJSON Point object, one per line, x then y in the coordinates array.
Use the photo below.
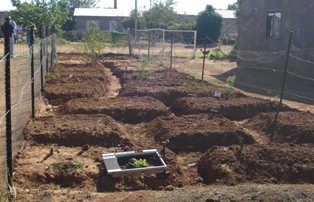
{"type": "Point", "coordinates": [85, 147]}
{"type": "Point", "coordinates": [169, 188]}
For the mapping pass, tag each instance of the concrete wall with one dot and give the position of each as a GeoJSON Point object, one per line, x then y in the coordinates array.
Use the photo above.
{"type": "Point", "coordinates": [230, 28]}
{"type": "Point", "coordinates": [103, 23]}
{"type": "Point", "coordinates": [296, 16]}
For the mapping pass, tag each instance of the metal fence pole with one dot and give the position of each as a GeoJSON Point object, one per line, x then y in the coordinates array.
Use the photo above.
{"type": "Point", "coordinates": [8, 109]}
{"type": "Point", "coordinates": [41, 59]}
{"type": "Point", "coordinates": [33, 82]}
{"type": "Point", "coordinates": [171, 50]}
{"type": "Point", "coordinates": [282, 88]}
{"type": "Point", "coordinates": [51, 54]}
{"type": "Point", "coordinates": [204, 56]}
{"type": "Point", "coordinates": [129, 40]}
{"type": "Point", "coordinates": [149, 38]}
{"type": "Point", "coordinates": [47, 56]}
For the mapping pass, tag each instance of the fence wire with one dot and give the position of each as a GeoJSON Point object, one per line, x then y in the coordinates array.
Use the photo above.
{"type": "Point", "coordinates": [21, 97]}
{"type": "Point", "coordinates": [165, 46]}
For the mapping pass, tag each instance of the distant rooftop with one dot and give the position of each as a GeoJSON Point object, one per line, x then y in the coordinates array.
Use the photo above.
{"type": "Point", "coordinates": [226, 14]}
{"type": "Point", "coordinates": [110, 12]}
{"type": "Point", "coordinates": [100, 12]}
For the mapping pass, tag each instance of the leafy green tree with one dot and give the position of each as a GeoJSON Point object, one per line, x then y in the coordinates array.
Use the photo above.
{"type": "Point", "coordinates": [129, 22]}
{"type": "Point", "coordinates": [160, 15]}
{"type": "Point", "coordinates": [208, 23]}
{"type": "Point", "coordinates": [58, 13]}
{"type": "Point", "coordinates": [232, 6]}
{"type": "Point", "coordinates": [47, 12]}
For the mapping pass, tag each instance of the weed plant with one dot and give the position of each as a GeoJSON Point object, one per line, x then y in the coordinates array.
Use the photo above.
{"type": "Point", "coordinates": [229, 88]}
{"type": "Point", "coordinates": [93, 43]}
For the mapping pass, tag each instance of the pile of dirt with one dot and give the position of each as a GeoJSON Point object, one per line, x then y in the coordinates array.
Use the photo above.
{"type": "Point", "coordinates": [204, 133]}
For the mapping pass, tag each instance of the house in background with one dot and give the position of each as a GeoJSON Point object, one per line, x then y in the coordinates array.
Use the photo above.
{"type": "Point", "coordinates": [111, 20]}
{"type": "Point", "coordinates": [264, 28]}
{"type": "Point", "coordinates": [105, 19]}
{"type": "Point", "coordinates": [230, 23]}
{"type": "Point", "coordinates": [185, 18]}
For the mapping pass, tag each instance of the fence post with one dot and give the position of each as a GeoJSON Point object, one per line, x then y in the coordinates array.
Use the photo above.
{"type": "Point", "coordinates": [52, 51]}
{"type": "Point", "coordinates": [32, 76]}
{"type": "Point", "coordinates": [286, 67]}
{"type": "Point", "coordinates": [42, 36]}
{"type": "Point", "coordinates": [195, 36]}
{"type": "Point", "coordinates": [8, 107]}
{"type": "Point", "coordinates": [171, 50]}
{"type": "Point", "coordinates": [129, 40]}
{"type": "Point", "coordinates": [204, 56]}
{"type": "Point", "coordinates": [149, 38]}
{"type": "Point", "coordinates": [282, 88]}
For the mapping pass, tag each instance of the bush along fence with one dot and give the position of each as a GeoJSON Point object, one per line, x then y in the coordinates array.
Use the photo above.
{"type": "Point", "coordinates": [22, 81]}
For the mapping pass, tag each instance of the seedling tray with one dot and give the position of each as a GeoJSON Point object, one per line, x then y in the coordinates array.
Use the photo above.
{"type": "Point", "coordinates": [117, 164]}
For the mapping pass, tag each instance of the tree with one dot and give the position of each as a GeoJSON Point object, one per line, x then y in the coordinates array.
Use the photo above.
{"type": "Point", "coordinates": [234, 7]}
{"type": "Point", "coordinates": [129, 22]}
{"type": "Point", "coordinates": [49, 13]}
{"type": "Point", "coordinates": [160, 15]}
{"type": "Point", "coordinates": [208, 23]}
{"type": "Point", "coordinates": [58, 13]}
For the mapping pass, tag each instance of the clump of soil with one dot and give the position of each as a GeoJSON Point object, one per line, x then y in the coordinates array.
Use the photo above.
{"type": "Point", "coordinates": [274, 163]}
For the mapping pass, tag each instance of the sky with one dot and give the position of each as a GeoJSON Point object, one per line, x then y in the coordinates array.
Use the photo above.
{"type": "Point", "coordinates": [182, 6]}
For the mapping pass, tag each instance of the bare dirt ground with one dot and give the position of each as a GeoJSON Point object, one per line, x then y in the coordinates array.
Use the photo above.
{"type": "Point", "coordinates": [113, 107]}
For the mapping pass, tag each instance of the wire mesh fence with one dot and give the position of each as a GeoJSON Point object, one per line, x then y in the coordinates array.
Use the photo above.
{"type": "Point", "coordinates": [165, 46]}
{"type": "Point", "coordinates": [263, 72]}
{"type": "Point", "coordinates": [27, 70]}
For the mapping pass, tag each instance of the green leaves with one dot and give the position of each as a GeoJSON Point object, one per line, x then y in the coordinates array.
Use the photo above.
{"type": "Point", "coordinates": [138, 163]}
{"type": "Point", "coordinates": [50, 12]}
{"type": "Point", "coordinates": [93, 43]}
{"type": "Point", "coordinates": [209, 23]}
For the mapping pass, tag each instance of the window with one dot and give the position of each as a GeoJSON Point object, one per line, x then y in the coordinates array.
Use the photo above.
{"type": "Point", "coordinates": [113, 25]}
{"type": "Point", "coordinates": [273, 25]}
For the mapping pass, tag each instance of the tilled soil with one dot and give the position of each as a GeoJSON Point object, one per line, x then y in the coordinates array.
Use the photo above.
{"type": "Point", "coordinates": [219, 148]}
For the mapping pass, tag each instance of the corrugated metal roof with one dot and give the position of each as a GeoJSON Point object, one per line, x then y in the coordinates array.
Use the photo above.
{"type": "Point", "coordinates": [100, 12]}
{"type": "Point", "coordinates": [226, 14]}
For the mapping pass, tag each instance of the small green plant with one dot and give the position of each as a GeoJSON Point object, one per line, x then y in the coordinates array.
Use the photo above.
{"type": "Point", "coordinates": [5, 196]}
{"type": "Point", "coordinates": [63, 166]}
{"type": "Point", "coordinates": [70, 164]}
{"type": "Point", "coordinates": [143, 65]}
{"type": "Point", "coordinates": [76, 164]}
{"type": "Point", "coordinates": [229, 88]}
{"type": "Point", "coordinates": [212, 82]}
{"type": "Point", "coordinates": [93, 43]}
{"type": "Point", "coordinates": [113, 148]}
{"type": "Point", "coordinates": [55, 74]}
{"type": "Point", "coordinates": [276, 98]}
{"type": "Point", "coordinates": [138, 163]}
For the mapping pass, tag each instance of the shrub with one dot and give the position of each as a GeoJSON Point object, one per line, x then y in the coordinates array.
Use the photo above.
{"type": "Point", "coordinates": [229, 88]}
{"type": "Point", "coordinates": [93, 43]}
